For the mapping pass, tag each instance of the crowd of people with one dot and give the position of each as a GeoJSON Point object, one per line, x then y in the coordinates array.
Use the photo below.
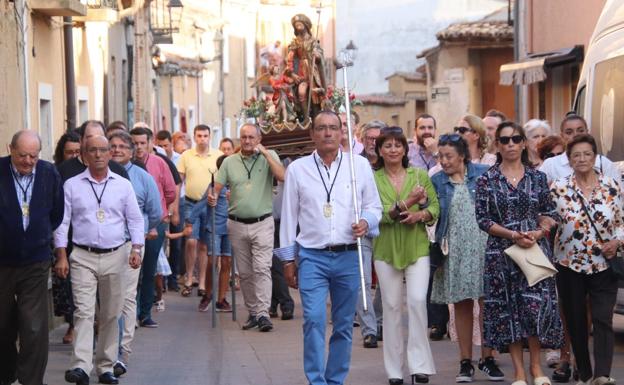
{"type": "Point", "coordinates": [131, 214]}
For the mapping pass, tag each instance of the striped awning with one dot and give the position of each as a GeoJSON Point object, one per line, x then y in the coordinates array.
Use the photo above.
{"type": "Point", "coordinates": [533, 68]}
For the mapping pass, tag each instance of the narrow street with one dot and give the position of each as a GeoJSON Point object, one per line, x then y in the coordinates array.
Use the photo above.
{"type": "Point", "coordinates": [185, 349]}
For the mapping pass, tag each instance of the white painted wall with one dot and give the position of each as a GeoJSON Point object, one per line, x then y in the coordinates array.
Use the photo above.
{"type": "Point", "coordinates": [390, 33]}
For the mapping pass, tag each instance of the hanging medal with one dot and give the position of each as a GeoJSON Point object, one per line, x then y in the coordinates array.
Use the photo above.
{"type": "Point", "coordinates": [327, 207]}
{"type": "Point", "coordinates": [100, 215]}
{"type": "Point", "coordinates": [247, 184]}
{"type": "Point", "coordinates": [25, 206]}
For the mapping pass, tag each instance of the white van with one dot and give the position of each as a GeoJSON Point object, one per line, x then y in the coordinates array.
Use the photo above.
{"type": "Point", "coordinates": [600, 92]}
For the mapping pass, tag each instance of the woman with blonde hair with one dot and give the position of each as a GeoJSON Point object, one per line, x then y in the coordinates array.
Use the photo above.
{"type": "Point", "coordinates": [472, 129]}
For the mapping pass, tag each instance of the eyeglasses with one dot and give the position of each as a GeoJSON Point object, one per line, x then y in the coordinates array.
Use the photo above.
{"type": "Point", "coordinates": [370, 138]}
{"type": "Point", "coordinates": [506, 139]}
{"type": "Point", "coordinates": [119, 147]}
{"type": "Point", "coordinates": [552, 154]}
{"type": "Point", "coordinates": [391, 130]}
{"type": "Point", "coordinates": [324, 127]}
{"type": "Point", "coordinates": [449, 138]}
{"type": "Point", "coordinates": [95, 150]}
{"type": "Point", "coordinates": [462, 130]}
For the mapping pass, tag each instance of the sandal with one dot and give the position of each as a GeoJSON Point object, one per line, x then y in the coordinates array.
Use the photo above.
{"type": "Point", "coordinates": [201, 292]}
{"type": "Point", "coordinates": [541, 381]}
{"type": "Point", "coordinates": [562, 373]}
{"type": "Point", "coordinates": [519, 382]}
{"type": "Point", "coordinates": [186, 291]}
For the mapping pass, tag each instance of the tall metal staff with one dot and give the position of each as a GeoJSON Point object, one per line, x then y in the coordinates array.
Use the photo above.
{"type": "Point", "coordinates": [213, 241]}
{"type": "Point", "coordinates": [347, 56]}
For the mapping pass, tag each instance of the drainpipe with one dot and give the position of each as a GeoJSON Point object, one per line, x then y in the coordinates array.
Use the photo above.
{"type": "Point", "coordinates": [22, 8]}
{"type": "Point", "coordinates": [517, 38]}
{"type": "Point", "coordinates": [129, 30]}
{"type": "Point", "coordinates": [70, 80]}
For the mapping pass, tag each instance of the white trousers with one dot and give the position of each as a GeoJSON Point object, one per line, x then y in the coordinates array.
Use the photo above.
{"type": "Point", "coordinates": [104, 274]}
{"type": "Point", "coordinates": [419, 357]}
{"type": "Point", "coordinates": [129, 310]}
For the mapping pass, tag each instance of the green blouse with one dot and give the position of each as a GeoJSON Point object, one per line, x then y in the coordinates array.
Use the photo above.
{"type": "Point", "coordinates": [397, 244]}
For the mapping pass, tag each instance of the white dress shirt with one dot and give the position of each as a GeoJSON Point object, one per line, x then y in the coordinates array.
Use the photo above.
{"type": "Point", "coordinates": [305, 196]}
{"type": "Point", "coordinates": [559, 167]}
{"type": "Point", "coordinates": [118, 203]}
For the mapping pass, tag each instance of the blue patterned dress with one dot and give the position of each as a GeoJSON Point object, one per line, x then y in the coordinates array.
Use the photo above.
{"type": "Point", "coordinates": [513, 310]}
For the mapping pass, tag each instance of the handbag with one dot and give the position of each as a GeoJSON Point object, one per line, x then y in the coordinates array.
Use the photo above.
{"type": "Point", "coordinates": [617, 262]}
{"type": "Point", "coordinates": [438, 251]}
{"type": "Point", "coordinates": [534, 264]}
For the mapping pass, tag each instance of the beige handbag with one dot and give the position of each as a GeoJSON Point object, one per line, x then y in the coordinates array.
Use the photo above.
{"type": "Point", "coordinates": [533, 263]}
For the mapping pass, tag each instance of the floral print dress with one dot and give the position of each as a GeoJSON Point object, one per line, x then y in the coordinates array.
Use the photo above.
{"type": "Point", "coordinates": [512, 310]}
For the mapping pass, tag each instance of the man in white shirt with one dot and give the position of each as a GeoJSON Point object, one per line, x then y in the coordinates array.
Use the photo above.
{"type": "Point", "coordinates": [559, 166]}
{"type": "Point", "coordinates": [318, 200]}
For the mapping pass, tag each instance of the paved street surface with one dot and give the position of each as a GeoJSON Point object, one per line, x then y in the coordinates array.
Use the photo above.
{"type": "Point", "coordinates": [185, 349]}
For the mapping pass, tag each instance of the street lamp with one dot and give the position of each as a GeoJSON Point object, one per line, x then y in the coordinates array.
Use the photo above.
{"type": "Point", "coordinates": [346, 57]}
{"type": "Point", "coordinates": [164, 21]}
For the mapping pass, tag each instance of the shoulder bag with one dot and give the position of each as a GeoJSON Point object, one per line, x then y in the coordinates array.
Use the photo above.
{"type": "Point", "coordinates": [616, 263]}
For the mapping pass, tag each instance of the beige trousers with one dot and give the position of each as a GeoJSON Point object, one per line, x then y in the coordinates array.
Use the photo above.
{"type": "Point", "coordinates": [104, 274]}
{"type": "Point", "coordinates": [252, 246]}
{"type": "Point", "coordinates": [129, 308]}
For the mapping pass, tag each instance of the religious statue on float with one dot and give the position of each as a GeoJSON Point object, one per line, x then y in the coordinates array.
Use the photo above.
{"type": "Point", "coordinates": [306, 66]}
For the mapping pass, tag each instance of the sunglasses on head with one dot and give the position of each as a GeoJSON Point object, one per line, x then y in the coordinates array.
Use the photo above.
{"type": "Point", "coordinates": [449, 138]}
{"type": "Point", "coordinates": [552, 154]}
{"type": "Point", "coordinates": [462, 130]}
{"type": "Point", "coordinates": [506, 139]}
{"type": "Point", "coordinates": [391, 130]}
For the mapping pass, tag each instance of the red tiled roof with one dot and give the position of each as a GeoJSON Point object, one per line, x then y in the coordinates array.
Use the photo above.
{"type": "Point", "coordinates": [479, 30]}
{"type": "Point", "coordinates": [385, 99]}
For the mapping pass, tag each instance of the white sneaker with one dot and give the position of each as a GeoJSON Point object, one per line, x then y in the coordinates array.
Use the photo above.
{"type": "Point", "coordinates": [160, 305]}
{"type": "Point", "coordinates": [603, 380]}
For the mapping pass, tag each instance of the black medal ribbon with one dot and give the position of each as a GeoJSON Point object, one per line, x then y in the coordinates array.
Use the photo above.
{"type": "Point", "coordinates": [252, 165]}
{"type": "Point", "coordinates": [98, 198]}
{"type": "Point", "coordinates": [331, 187]}
{"type": "Point", "coordinates": [22, 188]}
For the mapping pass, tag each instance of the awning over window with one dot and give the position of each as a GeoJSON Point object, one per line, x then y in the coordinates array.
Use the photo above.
{"type": "Point", "coordinates": [532, 69]}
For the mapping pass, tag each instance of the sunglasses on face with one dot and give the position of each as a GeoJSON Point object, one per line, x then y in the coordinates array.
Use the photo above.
{"type": "Point", "coordinates": [552, 154]}
{"type": "Point", "coordinates": [506, 139]}
{"type": "Point", "coordinates": [462, 130]}
{"type": "Point", "coordinates": [449, 138]}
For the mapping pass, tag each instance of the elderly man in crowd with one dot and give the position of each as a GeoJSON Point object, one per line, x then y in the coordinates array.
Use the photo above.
{"type": "Point", "coordinates": [31, 208]}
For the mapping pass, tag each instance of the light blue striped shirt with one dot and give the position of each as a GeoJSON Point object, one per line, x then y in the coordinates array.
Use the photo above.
{"type": "Point", "coordinates": [23, 186]}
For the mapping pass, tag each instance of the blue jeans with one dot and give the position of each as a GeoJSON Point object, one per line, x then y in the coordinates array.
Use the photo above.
{"type": "Point", "coordinates": [368, 320]}
{"type": "Point", "coordinates": [320, 273]}
{"type": "Point", "coordinates": [145, 295]}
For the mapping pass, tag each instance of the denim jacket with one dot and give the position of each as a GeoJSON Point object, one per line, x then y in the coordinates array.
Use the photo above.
{"type": "Point", "coordinates": [445, 190]}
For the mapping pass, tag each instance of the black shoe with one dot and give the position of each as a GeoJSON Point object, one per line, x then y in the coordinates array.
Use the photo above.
{"type": "Point", "coordinates": [251, 323]}
{"type": "Point", "coordinates": [264, 324]}
{"type": "Point", "coordinates": [379, 332]}
{"type": "Point", "coordinates": [395, 381]}
{"type": "Point", "coordinates": [420, 378]}
{"type": "Point", "coordinates": [119, 369]}
{"type": "Point", "coordinates": [273, 313]}
{"type": "Point", "coordinates": [490, 368]}
{"type": "Point", "coordinates": [562, 373]}
{"type": "Point", "coordinates": [370, 341]}
{"type": "Point", "coordinates": [466, 371]}
{"type": "Point", "coordinates": [436, 333]}
{"type": "Point", "coordinates": [287, 315]}
{"type": "Point", "coordinates": [7, 382]}
{"type": "Point", "coordinates": [77, 376]}
{"type": "Point", "coordinates": [108, 378]}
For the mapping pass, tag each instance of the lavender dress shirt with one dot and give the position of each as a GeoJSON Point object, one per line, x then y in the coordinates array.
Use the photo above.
{"type": "Point", "coordinates": [120, 206]}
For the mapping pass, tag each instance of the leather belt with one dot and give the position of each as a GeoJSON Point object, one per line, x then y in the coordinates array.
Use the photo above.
{"type": "Point", "coordinates": [191, 200]}
{"type": "Point", "coordinates": [249, 221]}
{"type": "Point", "coordinates": [96, 250]}
{"type": "Point", "coordinates": [343, 247]}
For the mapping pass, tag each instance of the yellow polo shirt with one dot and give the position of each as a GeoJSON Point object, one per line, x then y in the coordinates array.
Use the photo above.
{"type": "Point", "coordinates": [196, 170]}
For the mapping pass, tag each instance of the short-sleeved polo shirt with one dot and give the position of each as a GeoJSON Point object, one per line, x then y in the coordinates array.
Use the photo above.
{"type": "Point", "coordinates": [251, 184]}
{"type": "Point", "coordinates": [196, 170]}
